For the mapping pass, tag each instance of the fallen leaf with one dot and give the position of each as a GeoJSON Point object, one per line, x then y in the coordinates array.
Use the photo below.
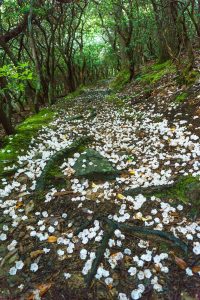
{"type": "Point", "coordinates": [196, 269]}
{"type": "Point", "coordinates": [18, 204]}
{"type": "Point", "coordinates": [29, 207]}
{"type": "Point", "coordinates": [36, 253]}
{"type": "Point", "coordinates": [120, 196]}
{"type": "Point", "coordinates": [185, 296]}
{"type": "Point", "coordinates": [157, 268]}
{"type": "Point", "coordinates": [131, 172]}
{"type": "Point", "coordinates": [147, 218]}
{"type": "Point", "coordinates": [180, 262]}
{"type": "Point", "coordinates": [127, 259]}
{"type": "Point", "coordinates": [52, 239]}
{"type": "Point", "coordinates": [139, 216]}
{"type": "Point", "coordinates": [124, 175]}
{"type": "Point", "coordinates": [42, 288]}
{"type": "Point", "coordinates": [174, 214]}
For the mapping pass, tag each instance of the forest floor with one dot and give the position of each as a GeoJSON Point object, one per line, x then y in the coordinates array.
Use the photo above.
{"type": "Point", "coordinates": [104, 204]}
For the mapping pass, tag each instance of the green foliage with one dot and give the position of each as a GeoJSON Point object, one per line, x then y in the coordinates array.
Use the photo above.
{"type": "Point", "coordinates": [16, 76]}
{"type": "Point", "coordinates": [181, 97]}
{"type": "Point", "coordinates": [115, 100]}
{"type": "Point", "coordinates": [120, 81]}
{"type": "Point", "coordinates": [83, 41]}
{"type": "Point", "coordinates": [17, 144]}
{"type": "Point", "coordinates": [191, 76]}
{"type": "Point", "coordinates": [156, 72]}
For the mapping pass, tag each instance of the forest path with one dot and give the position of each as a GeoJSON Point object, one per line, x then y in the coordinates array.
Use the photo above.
{"type": "Point", "coordinates": [96, 196]}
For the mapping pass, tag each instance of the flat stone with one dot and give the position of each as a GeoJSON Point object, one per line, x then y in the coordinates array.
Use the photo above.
{"type": "Point", "coordinates": [91, 164]}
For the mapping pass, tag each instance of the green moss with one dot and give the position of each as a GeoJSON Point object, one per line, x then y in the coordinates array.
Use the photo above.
{"type": "Point", "coordinates": [55, 178]}
{"type": "Point", "coordinates": [115, 100]}
{"type": "Point", "coordinates": [191, 77]}
{"type": "Point", "coordinates": [120, 81]}
{"type": "Point", "coordinates": [51, 171]}
{"type": "Point", "coordinates": [18, 143]}
{"type": "Point", "coordinates": [153, 74]}
{"type": "Point", "coordinates": [161, 66]}
{"type": "Point", "coordinates": [182, 190]}
{"type": "Point", "coordinates": [78, 92]}
{"type": "Point", "coordinates": [181, 97]}
{"type": "Point", "coordinates": [187, 75]}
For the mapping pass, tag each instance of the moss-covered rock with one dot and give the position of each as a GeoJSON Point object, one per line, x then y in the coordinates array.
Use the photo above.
{"type": "Point", "coordinates": [93, 165]}
{"type": "Point", "coordinates": [51, 171]}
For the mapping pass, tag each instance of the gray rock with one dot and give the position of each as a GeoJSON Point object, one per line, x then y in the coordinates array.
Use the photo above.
{"type": "Point", "coordinates": [91, 164]}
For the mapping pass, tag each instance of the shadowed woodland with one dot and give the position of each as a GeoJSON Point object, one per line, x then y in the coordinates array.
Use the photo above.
{"type": "Point", "coordinates": [50, 48]}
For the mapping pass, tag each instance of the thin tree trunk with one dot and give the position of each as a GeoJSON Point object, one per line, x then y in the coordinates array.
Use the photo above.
{"type": "Point", "coordinates": [35, 58]}
{"type": "Point", "coordinates": [5, 121]}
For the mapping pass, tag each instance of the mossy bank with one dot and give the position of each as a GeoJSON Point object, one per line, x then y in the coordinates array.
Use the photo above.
{"type": "Point", "coordinates": [17, 144]}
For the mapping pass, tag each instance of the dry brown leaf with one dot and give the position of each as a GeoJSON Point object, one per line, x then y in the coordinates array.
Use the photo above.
{"type": "Point", "coordinates": [58, 194]}
{"type": "Point", "coordinates": [127, 259]}
{"type": "Point", "coordinates": [196, 269]}
{"type": "Point", "coordinates": [42, 288]}
{"type": "Point", "coordinates": [157, 268]}
{"type": "Point", "coordinates": [36, 253]}
{"type": "Point", "coordinates": [174, 214]}
{"type": "Point", "coordinates": [180, 262]}
{"type": "Point", "coordinates": [185, 296]}
{"type": "Point", "coordinates": [52, 239]}
{"type": "Point", "coordinates": [18, 204]}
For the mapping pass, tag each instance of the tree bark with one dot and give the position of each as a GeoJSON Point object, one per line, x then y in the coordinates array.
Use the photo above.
{"type": "Point", "coordinates": [35, 58]}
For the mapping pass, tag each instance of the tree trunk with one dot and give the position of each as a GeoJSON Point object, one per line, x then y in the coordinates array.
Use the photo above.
{"type": "Point", "coordinates": [163, 51]}
{"type": "Point", "coordinates": [35, 58]}
{"type": "Point", "coordinates": [5, 118]}
{"type": "Point", "coordinates": [71, 79]}
{"type": "Point", "coordinates": [5, 121]}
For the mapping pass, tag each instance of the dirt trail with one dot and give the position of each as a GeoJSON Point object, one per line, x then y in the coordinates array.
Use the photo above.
{"type": "Point", "coordinates": [100, 206]}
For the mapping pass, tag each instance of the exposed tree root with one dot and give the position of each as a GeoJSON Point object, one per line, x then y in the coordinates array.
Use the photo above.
{"type": "Point", "coordinates": [149, 190]}
{"type": "Point", "coordinates": [57, 158]}
{"type": "Point", "coordinates": [142, 230]}
{"type": "Point", "coordinates": [100, 253]}
{"type": "Point", "coordinates": [111, 227]}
